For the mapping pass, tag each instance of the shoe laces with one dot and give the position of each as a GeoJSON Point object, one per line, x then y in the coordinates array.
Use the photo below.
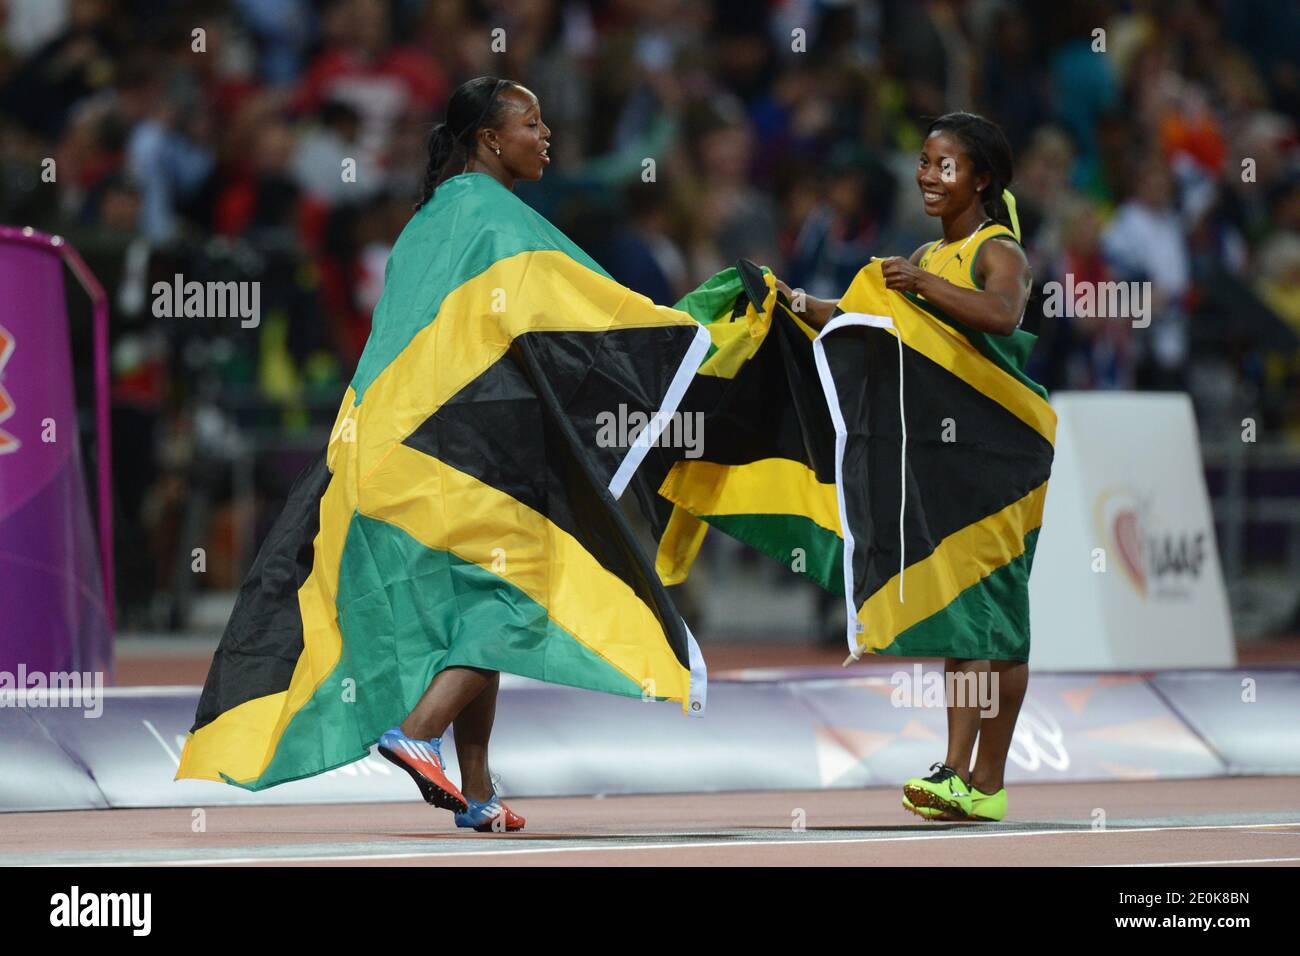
{"type": "Point", "coordinates": [417, 746]}
{"type": "Point", "coordinates": [436, 744]}
{"type": "Point", "coordinates": [943, 772]}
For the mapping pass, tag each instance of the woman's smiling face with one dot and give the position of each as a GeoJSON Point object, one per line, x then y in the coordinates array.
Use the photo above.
{"type": "Point", "coordinates": [946, 175]}
{"type": "Point", "coordinates": [523, 137]}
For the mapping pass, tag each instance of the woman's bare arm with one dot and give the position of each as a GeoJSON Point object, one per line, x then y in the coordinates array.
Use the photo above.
{"type": "Point", "coordinates": [1002, 269]}
{"type": "Point", "coordinates": [816, 312]}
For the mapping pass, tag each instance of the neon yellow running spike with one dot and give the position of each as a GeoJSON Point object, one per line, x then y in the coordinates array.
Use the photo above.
{"type": "Point", "coordinates": [988, 806]}
{"type": "Point", "coordinates": [942, 791]}
{"type": "Point", "coordinates": [930, 813]}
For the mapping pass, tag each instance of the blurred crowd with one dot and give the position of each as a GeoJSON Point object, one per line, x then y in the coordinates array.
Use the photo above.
{"type": "Point", "coordinates": [1154, 141]}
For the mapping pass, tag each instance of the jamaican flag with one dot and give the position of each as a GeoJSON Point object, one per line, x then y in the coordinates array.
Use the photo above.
{"type": "Point", "coordinates": [944, 447]}
{"type": "Point", "coordinates": [463, 513]}
{"type": "Point", "coordinates": [766, 473]}
{"type": "Point", "coordinates": [898, 458]}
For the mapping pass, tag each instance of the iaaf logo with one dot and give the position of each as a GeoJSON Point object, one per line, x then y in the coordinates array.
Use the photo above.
{"type": "Point", "coordinates": [8, 443]}
{"type": "Point", "coordinates": [1156, 559]}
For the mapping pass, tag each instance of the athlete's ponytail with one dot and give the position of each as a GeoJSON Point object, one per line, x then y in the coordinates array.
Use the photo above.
{"type": "Point", "coordinates": [991, 153]}
{"type": "Point", "coordinates": [441, 146]}
{"type": "Point", "coordinates": [475, 104]}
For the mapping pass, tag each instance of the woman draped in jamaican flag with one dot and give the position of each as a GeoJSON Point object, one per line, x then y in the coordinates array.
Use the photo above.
{"type": "Point", "coordinates": [942, 487]}
{"type": "Point", "coordinates": [462, 520]}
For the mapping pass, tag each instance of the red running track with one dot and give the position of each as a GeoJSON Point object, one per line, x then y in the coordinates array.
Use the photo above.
{"type": "Point", "coordinates": [1241, 821]}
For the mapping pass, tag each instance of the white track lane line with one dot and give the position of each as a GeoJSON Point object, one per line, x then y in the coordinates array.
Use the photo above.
{"type": "Point", "coordinates": [1263, 859]}
{"type": "Point", "coordinates": [523, 851]}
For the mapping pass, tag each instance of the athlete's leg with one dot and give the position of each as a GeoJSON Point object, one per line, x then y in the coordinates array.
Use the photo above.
{"type": "Point", "coordinates": [450, 692]}
{"type": "Point", "coordinates": [961, 678]}
{"type": "Point", "coordinates": [415, 744]}
{"type": "Point", "coordinates": [996, 732]}
{"type": "Point", "coordinates": [473, 728]}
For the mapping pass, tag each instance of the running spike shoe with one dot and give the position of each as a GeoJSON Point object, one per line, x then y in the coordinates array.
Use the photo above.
{"type": "Point", "coordinates": [422, 759]}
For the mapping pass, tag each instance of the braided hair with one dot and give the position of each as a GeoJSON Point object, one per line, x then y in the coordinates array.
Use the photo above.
{"type": "Point", "coordinates": [474, 105]}
{"type": "Point", "coordinates": [988, 148]}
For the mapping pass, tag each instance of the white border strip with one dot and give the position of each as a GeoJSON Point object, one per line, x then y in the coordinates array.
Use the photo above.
{"type": "Point", "coordinates": [698, 694]}
{"type": "Point", "coordinates": [1262, 859]}
{"type": "Point", "coordinates": [698, 691]}
{"type": "Point", "coordinates": [853, 626]}
{"type": "Point", "coordinates": [650, 434]}
{"type": "Point", "coordinates": [685, 844]}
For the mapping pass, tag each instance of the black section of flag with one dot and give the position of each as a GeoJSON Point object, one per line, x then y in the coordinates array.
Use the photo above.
{"type": "Point", "coordinates": [509, 430]}
{"type": "Point", "coordinates": [771, 408]}
{"type": "Point", "coordinates": [263, 638]}
{"type": "Point", "coordinates": [994, 459]}
{"type": "Point", "coordinates": [585, 368]}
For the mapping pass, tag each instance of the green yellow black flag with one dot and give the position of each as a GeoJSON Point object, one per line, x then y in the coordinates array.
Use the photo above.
{"type": "Point", "coordinates": [943, 451]}
{"type": "Point", "coordinates": [766, 475]}
{"type": "Point", "coordinates": [897, 457]}
{"type": "Point", "coordinates": [464, 511]}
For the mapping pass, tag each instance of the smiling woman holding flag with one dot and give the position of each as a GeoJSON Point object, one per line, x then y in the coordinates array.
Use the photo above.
{"type": "Point", "coordinates": [956, 463]}
{"type": "Point", "coordinates": [462, 520]}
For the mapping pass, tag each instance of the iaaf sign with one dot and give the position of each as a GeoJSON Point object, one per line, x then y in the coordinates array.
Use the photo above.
{"type": "Point", "coordinates": [1160, 559]}
{"type": "Point", "coordinates": [1126, 574]}
{"type": "Point", "coordinates": [8, 443]}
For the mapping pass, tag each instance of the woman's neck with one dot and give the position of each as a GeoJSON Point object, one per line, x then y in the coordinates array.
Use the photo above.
{"type": "Point", "coordinates": [497, 173]}
{"type": "Point", "coordinates": [964, 223]}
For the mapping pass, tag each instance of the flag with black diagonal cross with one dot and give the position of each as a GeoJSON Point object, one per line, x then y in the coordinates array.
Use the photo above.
{"type": "Point", "coordinates": [944, 447]}
{"type": "Point", "coordinates": [464, 511]}
{"type": "Point", "coordinates": [896, 457]}
{"type": "Point", "coordinates": [767, 473]}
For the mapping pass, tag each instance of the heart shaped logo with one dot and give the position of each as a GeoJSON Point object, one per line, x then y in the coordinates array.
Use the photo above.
{"type": "Point", "coordinates": [1128, 538]}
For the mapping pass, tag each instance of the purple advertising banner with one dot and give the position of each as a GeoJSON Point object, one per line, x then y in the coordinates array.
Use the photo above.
{"type": "Point", "coordinates": [53, 616]}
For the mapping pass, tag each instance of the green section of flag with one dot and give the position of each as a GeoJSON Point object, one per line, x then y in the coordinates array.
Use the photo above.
{"type": "Point", "coordinates": [713, 298]}
{"type": "Point", "coordinates": [779, 535]}
{"type": "Point", "coordinates": [988, 619]}
{"type": "Point", "coordinates": [407, 612]}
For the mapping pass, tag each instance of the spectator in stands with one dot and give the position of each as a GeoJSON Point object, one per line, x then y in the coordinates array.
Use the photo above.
{"type": "Point", "coordinates": [361, 66]}
{"type": "Point", "coordinates": [1145, 243]}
